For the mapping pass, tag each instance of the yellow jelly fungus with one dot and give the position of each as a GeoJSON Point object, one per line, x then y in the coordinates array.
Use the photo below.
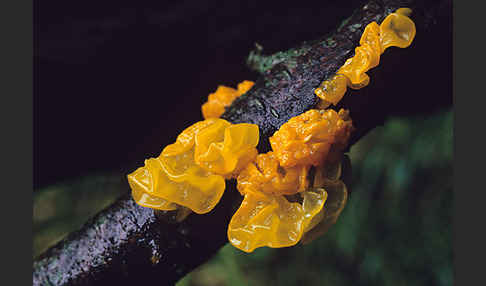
{"type": "Point", "coordinates": [307, 138]}
{"type": "Point", "coordinates": [344, 128]}
{"type": "Point", "coordinates": [271, 220]}
{"type": "Point", "coordinates": [141, 180]}
{"type": "Point", "coordinates": [279, 208]}
{"type": "Point", "coordinates": [333, 90]}
{"type": "Point", "coordinates": [397, 30]}
{"type": "Point", "coordinates": [222, 98]}
{"type": "Point", "coordinates": [327, 177]}
{"type": "Point", "coordinates": [244, 86]}
{"type": "Point", "coordinates": [337, 195]}
{"type": "Point", "coordinates": [225, 149]}
{"type": "Point", "coordinates": [356, 67]}
{"type": "Point", "coordinates": [371, 41]}
{"type": "Point", "coordinates": [170, 182]}
{"type": "Point", "coordinates": [175, 179]}
{"type": "Point", "coordinates": [266, 175]}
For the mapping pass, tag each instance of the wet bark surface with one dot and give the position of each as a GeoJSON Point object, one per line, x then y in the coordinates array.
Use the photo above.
{"type": "Point", "coordinates": [126, 243]}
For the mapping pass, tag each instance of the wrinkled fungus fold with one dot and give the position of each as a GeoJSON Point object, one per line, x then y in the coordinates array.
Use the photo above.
{"type": "Point", "coordinates": [222, 98]}
{"type": "Point", "coordinates": [191, 172]}
{"type": "Point", "coordinates": [224, 149]}
{"type": "Point", "coordinates": [396, 30]}
{"type": "Point", "coordinates": [307, 138]}
{"type": "Point", "coordinates": [267, 175]}
{"type": "Point", "coordinates": [327, 178]}
{"type": "Point", "coordinates": [273, 221]}
{"type": "Point", "coordinates": [279, 207]}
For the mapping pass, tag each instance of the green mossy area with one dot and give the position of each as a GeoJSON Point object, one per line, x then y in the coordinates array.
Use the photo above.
{"type": "Point", "coordinates": [395, 230]}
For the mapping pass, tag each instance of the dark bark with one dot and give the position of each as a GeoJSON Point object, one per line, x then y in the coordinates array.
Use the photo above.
{"type": "Point", "coordinates": [126, 243]}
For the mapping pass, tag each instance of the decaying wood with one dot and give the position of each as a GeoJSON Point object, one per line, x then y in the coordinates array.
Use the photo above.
{"type": "Point", "coordinates": [125, 243]}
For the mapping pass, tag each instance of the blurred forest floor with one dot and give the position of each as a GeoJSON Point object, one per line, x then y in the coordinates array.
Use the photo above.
{"type": "Point", "coordinates": [395, 230]}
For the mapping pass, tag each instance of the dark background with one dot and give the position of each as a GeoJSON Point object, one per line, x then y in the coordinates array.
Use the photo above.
{"type": "Point", "coordinates": [116, 80]}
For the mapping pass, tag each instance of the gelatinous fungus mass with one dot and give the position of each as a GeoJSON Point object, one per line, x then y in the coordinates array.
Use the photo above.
{"type": "Point", "coordinates": [306, 139]}
{"type": "Point", "coordinates": [222, 98]}
{"type": "Point", "coordinates": [268, 176]}
{"type": "Point", "coordinates": [279, 207]}
{"type": "Point", "coordinates": [396, 30]}
{"type": "Point", "coordinates": [269, 220]}
{"type": "Point", "coordinates": [191, 172]}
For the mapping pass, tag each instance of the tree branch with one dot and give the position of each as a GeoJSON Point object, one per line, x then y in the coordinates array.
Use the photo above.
{"type": "Point", "coordinates": [126, 243]}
